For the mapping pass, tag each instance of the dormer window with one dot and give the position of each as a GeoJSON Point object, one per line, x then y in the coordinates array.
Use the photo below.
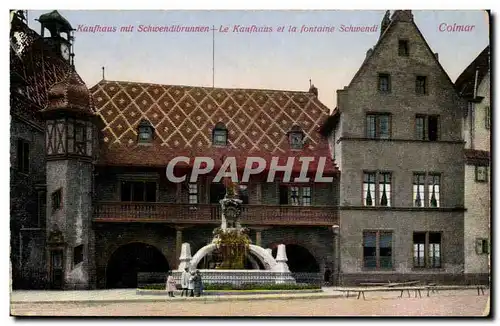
{"type": "Point", "coordinates": [296, 137]}
{"type": "Point", "coordinates": [145, 134]}
{"type": "Point", "coordinates": [219, 135]}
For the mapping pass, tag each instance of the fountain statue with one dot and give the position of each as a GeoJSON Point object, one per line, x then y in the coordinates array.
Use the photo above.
{"type": "Point", "coordinates": [232, 243]}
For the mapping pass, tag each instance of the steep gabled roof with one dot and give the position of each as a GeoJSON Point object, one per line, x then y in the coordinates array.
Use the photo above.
{"type": "Point", "coordinates": [407, 16]}
{"type": "Point", "coordinates": [467, 79]}
{"type": "Point", "coordinates": [183, 118]}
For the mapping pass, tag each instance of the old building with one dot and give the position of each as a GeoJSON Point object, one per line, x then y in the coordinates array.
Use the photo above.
{"type": "Point", "coordinates": [474, 86]}
{"type": "Point", "coordinates": [396, 137]}
{"type": "Point", "coordinates": [36, 63]}
{"type": "Point", "coordinates": [139, 212]}
{"type": "Point", "coordinates": [91, 203]}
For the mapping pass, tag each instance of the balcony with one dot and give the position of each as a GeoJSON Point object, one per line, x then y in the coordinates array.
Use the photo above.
{"type": "Point", "coordinates": [211, 214]}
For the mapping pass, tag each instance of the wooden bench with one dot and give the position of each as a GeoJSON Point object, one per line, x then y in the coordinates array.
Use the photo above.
{"type": "Point", "coordinates": [417, 289]}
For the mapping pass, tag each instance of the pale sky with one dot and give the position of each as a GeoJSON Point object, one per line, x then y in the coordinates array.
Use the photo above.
{"type": "Point", "coordinates": [272, 60]}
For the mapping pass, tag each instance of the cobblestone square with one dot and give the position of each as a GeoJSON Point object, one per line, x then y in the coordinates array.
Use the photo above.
{"type": "Point", "coordinates": [447, 303]}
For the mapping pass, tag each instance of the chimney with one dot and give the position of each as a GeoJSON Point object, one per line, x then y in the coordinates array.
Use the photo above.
{"type": "Point", "coordinates": [386, 20]}
{"type": "Point", "coordinates": [437, 56]}
{"type": "Point", "coordinates": [313, 90]}
{"type": "Point", "coordinates": [369, 53]}
{"type": "Point", "coordinates": [402, 16]}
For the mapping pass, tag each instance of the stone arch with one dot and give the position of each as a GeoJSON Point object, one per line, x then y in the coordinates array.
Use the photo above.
{"type": "Point", "coordinates": [131, 258]}
{"type": "Point", "coordinates": [300, 258]}
{"type": "Point", "coordinates": [261, 254]}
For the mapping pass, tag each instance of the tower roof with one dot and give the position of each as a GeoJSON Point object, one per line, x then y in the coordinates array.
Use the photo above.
{"type": "Point", "coordinates": [71, 95]}
{"type": "Point", "coordinates": [56, 17]}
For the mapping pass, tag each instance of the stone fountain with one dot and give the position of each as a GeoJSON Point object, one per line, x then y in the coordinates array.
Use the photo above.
{"type": "Point", "coordinates": [232, 242]}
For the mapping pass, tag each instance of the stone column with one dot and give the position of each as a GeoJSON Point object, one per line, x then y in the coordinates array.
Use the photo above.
{"type": "Point", "coordinates": [178, 243]}
{"type": "Point", "coordinates": [258, 237]}
{"type": "Point", "coordinates": [336, 252]}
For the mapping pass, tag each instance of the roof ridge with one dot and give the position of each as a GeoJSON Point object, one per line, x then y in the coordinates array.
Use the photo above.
{"type": "Point", "coordinates": [204, 87]}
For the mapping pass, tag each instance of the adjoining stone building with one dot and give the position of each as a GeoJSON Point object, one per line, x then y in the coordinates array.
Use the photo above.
{"type": "Point", "coordinates": [474, 86]}
{"type": "Point", "coordinates": [396, 136]}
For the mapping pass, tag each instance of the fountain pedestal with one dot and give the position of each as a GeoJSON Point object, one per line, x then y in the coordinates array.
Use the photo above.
{"type": "Point", "coordinates": [231, 233]}
{"type": "Point", "coordinates": [185, 258]}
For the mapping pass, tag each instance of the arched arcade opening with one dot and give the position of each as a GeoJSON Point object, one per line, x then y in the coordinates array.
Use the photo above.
{"type": "Point", "coordinates": [300, 260]}
{"type": "Point", "coordinates": [130, 259]}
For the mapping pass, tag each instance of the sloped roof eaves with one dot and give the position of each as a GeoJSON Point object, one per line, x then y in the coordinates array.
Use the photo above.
{"type": "Point", "coordinates": [160, 156]}
{"type": "Point", "coordinates": [330, 123]}
{"type": "Point", "coordinates": [465, 82]}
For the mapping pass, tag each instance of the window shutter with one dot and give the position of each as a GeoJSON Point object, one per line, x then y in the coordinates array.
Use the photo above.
{"type": "Point", "coordinates": [479, 246]}
{"type": "Point", "coordinates": [486, 246]}
{"type": "Point", "coordinates": [283, 195]}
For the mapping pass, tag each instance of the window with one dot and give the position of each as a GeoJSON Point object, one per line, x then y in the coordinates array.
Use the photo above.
{"type": "Point", "coordinates": [243, 193]}
{"type": "Point", "coordinates": [382, 197]}
{"type": "Point", "coordinates": [219, 135]}
{"type": "Point", "coordinates": [385, 188]}
{"type": "Point", "coordinates": [482, 246]}
{"type": "Point", "coordinates": [377, 249]}
{"type": "Point", "coordinates": [427, 127]}
{"type": "Point", "coordinates": [145, 134]}
{"type": "Point", "coordinates": [487, 117]}
{"type": "Point", "coordinates": [77, 255]}
{"type": "Point", "coordinates": [80, 133]}
{"type": "Point", "coordinates": [434, 183]}
{"type": "Point", "coordinates": [432, 196]}
{"type": "Point", "coordinates": [378, 126]}
{"type": "Point", "coordinates": [421, 85]}
{"type": "Point", "coordinates": [296, 137]}
{"type": "Point", "coordinates": [193, 193]}
{"type": "Point", "coordinates": [217, 192]}
{"type": "Point", "coordinates": [384, 83]}
{"type": "Point", "coordinates": [403, 48]}
{"type": "Point", "coordinates": [295, 195]}
{"type": "Point", "coordinates": [369, 189]}
{"type": "Point", "coordinates": [306, 196]}
{"type": "Point", "coordinates": [23, 156]}
{"type": "Point", "coordinates": [56, 199]}
{"type": "Point", "coordinates": [418, 189]}
{"type": "Point", "coordinates": [427, 249]}
{"type": "Point", "coordinates": [296, 140]}
{"type": "Point", "coordinates": [140, 191]}
{"type": "Point", "coordinates": [481, 173]}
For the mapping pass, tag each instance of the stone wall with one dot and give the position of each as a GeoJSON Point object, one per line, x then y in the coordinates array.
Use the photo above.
{"type": "Point", "coordinates": [24, 203]}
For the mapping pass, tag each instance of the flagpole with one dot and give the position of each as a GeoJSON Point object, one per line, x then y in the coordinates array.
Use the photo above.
{"type": "Point", "coordinates": [213, 56]}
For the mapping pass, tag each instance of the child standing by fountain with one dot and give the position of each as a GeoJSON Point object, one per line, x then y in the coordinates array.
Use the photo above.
{"type": "Point", "coordinates": [170, 285]}
{"type": "Point", "coordinates": [197, 284]}
{"type": "Point", "coordinates": [184, 281]}
{"type": "Point", "coordinates": [191, 284]}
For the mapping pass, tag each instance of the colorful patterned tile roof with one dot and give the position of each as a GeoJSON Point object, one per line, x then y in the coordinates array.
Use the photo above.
{"type": "Point", "coordinates": [184, 116]}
